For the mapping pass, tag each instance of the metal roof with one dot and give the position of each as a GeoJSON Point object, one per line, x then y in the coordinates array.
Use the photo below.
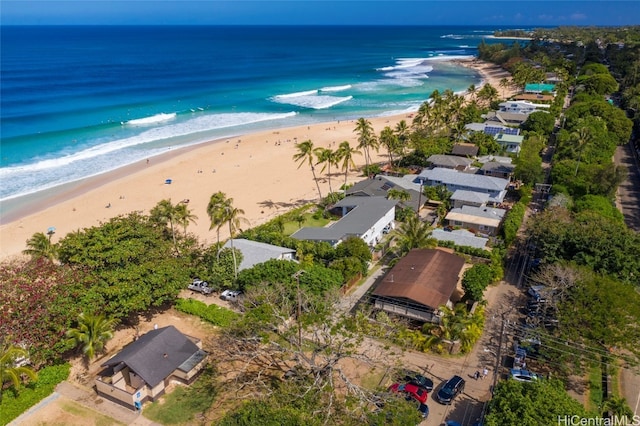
{"type": "Point", "coordinates": [254, 252]}
{"type": "Point", "coordinates": [450, 161]}
{"type": "Point", "coordinates": [486, 216]}
{"type": "Point", "coordinates": [364, 213]}
{"type": "Point", "coordinates": [471, 196]}
{"type": "Point", "coordinates": [381, 184]}
{"type": "Point", "coordinates": [460, 237]}
{"type": "Point", "coordinates": [464, 180]}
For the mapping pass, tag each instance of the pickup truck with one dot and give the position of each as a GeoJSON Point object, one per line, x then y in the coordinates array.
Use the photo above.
{"type": "Point", "coordinates": [200, 286]}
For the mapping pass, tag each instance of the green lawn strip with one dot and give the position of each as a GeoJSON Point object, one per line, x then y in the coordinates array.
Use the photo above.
{"type": "Point", "coordinates": [184, 402]}
{"type": "Point", "coordinates": [310, 220]}
{"type": "Point", "coordinates": [216, 315]}
{"type": "Point", "coordinates": [594, 402]}
{"type": "Point", "coordinates": [17, 402]}
{"type": "Point", "coordinates": [76, 409]}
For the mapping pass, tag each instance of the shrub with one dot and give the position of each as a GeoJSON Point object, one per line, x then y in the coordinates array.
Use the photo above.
{"type": "Point", "coordinates": [15, 402]}
{"type": "Point", "coordinates": [216, 315]}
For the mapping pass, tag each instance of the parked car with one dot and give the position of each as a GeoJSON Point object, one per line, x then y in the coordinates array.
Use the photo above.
{"type": "Point", "coordinates": [450, 389]}
{"type": "Point", "coordinates": [421, 381]}
{"type": "Point", "coordinates": [535, 291]}
{"type": "Point", "coordinates": [523, 375]}
{"type": "Point", "coordinates": [230, 295]}
{"type": "Point", "coordinates": [424, 410]}
{"type": "Point", "coordinates": [200, 286]}
{"type": "Point", "coordinates": [411, 390]}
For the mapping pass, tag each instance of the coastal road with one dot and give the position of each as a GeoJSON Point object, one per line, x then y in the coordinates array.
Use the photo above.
{"type": "Point", "coordinates": [628, 196]}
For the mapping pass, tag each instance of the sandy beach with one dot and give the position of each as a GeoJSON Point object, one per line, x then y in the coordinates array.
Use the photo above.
{"type": "Point", "coordinates": [256, 170]}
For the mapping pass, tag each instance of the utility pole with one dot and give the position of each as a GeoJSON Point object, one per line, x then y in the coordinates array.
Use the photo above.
{"type": "Point", "coordinates": [499, 356]}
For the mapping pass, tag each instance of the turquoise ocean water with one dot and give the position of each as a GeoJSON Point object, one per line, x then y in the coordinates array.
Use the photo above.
{"type": "Point", "coordinates": [80, 101]}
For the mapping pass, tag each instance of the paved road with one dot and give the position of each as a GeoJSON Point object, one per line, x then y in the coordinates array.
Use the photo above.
{"type": "Point", "coordinates": [628, 199]}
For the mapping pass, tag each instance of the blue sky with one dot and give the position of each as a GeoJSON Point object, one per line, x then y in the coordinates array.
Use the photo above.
{"type": "Point", "coordinates": [321, 12]}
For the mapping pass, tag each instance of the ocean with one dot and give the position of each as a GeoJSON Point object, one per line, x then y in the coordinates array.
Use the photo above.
{"type": "Point", "coordinates": [78, 101]}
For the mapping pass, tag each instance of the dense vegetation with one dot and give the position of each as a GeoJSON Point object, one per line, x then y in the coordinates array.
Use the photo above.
{"type": "Point", "coordinates": [16, 401]}
{"type": "Point", "coordinates": [135, 263]}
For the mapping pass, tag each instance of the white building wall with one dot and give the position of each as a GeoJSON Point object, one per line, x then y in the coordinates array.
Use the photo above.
{"type": "Point", "coordinates": [374, 234]}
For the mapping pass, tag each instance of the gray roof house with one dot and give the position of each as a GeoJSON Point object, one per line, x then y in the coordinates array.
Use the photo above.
{"type": "Point", "coordinates": [483, 220]}
{"type": "Point", "coordinates": [497, 169]}
{"type": "Point", "coordinates": [381, 184]}
{"type": "Point", "coordinates": [463, 197]}
{"type": "Point", "coordinates": [454, 180]}
{"type": "Point", "coordinates": [142, 369]}
{"type": "Point", "coordinates": [505, 118]}
{"type": "Point", "coordinates": [450, 161]}
{"type": "Point", "coordinates": [254, 252]}
{"type": "Point", "coordinates": [367, 218]}
{"type": "Point", "coordinates": [460, 237]}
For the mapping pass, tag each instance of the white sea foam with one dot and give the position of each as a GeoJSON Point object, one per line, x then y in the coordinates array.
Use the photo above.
{"type": "Point", "coordinates": [158, 118]}
{"type": "Point", "coordinates": [336, 88]}
{"type": "Point", "coordinates": [163, 132]}
{"type": "Point", "coordinates": [313, 101]}
{"type": "Point", "coordinates": [297, 94]}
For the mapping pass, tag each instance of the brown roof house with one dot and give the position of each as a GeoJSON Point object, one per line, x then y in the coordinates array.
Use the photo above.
{"type": "Point", "coordinates": [419, 283]}
{"type": "Point", "coordinates": [142, 370]}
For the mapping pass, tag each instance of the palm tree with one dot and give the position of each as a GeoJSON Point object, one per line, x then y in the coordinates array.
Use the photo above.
{"type": "Point", "coordinates": [10, 371]}
{"type": "Point", "coordinates": [215, 211]}
{"type": "Point", "coordinates": [413, 234]}
{"type": "Point", "coordinates": [165, 212]}
{"type": "Point", "coordinates": [233, 217]}
{"type": "Point", "coordinates": [92, 333]}
{"type": "Point", "coordinates": [402, 133]}
{"type": "Point", "coordinates": [472, 90]}
{"type": "Point", "coordinates": [366, 139]}
{"type": "Point", "coordinates": [456, 324]}
{"type": "Point", "coordinates": [345, 155]}
{"type": "Point", "coordinates": [390, 141]}
{"type": "Point", "coordinates": [581, 137]}
{"type": "Point", "coordinates": [327, 157]}
{"type": "Point", "coordinates": [305, 155]}
{"type": "Point", "coordinates": [504, 83]}
{"type": "Point", "coordinates": [40, 246]}
{"type": "Point", "coordinates": [398, 194]}
{"type": "Point", "coordinates": [617, 406]}
{"type": "Point", "coordinates": [184, 216]}
{"type": "Point", "coordinates": [488, 93]}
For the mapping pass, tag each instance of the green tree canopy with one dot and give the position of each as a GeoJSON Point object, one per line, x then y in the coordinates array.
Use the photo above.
{"type": "Point", "coordinates": [540, 122]}
{"type": "Point", "coordinates": [130, 262]}
{"type": "Point", "coordinates": [475, 280]}
{"type": "Point", "coordinates": [531, 404]}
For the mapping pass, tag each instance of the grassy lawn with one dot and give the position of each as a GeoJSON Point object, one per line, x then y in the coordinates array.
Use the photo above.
{"type": "Point", "coordinates": [184, 403]}
{"type": "Point", "coordinates": [291, 227]}
{"type": "Point", "coordinates": [79, 411]}
{"type": "Point", "coordinates": [595, 388]}
{"type": "Point", "coordinates": [372, 379]}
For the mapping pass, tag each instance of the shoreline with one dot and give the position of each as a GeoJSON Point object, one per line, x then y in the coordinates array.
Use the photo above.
{"type": "Point", "coordinates": [238, 167]}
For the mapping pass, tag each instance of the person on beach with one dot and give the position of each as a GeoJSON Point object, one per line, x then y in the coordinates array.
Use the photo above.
{"type": "Point", "coordinates": [485, 373]}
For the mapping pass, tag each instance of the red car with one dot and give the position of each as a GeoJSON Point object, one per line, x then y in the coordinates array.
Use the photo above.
{"type": "Point", "coordinates": [411, 390]}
